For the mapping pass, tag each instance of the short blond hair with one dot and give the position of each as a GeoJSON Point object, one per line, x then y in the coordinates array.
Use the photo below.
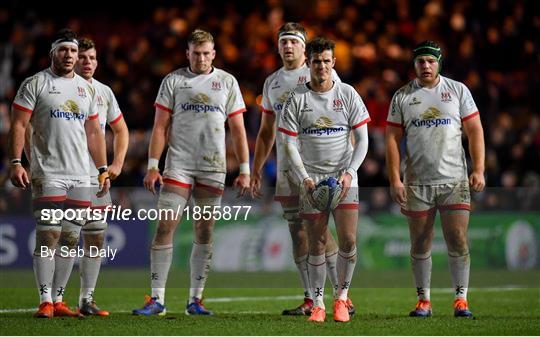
{"type": "Point", "coordinates": [199, 36]}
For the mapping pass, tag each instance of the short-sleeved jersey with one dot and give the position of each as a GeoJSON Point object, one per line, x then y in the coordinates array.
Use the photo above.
{"type": "Point", "coordinates": [323, 123]}
{"type": "Point", "coordinates": [276, 89]}
{"type": "Point", "coordinates": [109, 113]}
{"type": "Point", "coordinates": [199, 106]}
{"type": "Point", "coordinates": [59, 106]}
{"type": "Point", "coordinates": [431, 119]}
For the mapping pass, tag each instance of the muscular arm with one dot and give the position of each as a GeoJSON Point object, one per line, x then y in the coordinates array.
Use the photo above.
{"type": "Point", "coordinates": [98, 151]}
{"type": "Point", "coordinates": [160, 132]}
{"type": "Point", "coordinates": [475, 133]}
{"type": "Point", "coordinates": [393, 138]}
{"type": "Point", "coordinates": [265, 141]}
{"type": "Point", "coordinates": [19, 122]}
{"type": "Point", "coordinates": [238, 133]}
{"type": "Point", "coordinates": [160, 137]}
{"type": "Point", "coordinates": [96, 142]}
{"type": "Point", "coordinates": [120, 146]}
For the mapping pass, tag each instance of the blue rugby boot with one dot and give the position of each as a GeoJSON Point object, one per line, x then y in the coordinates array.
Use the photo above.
{"type": "Point", "coordinates": [196, 307]}
{"type": "Point", "coordinates": [151, 307]}
{"type": "Point", "coordinates": [423, 309]}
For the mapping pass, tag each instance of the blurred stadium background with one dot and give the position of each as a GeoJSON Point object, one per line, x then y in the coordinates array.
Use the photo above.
{"type": "Point", "coordinates": [492, 46]}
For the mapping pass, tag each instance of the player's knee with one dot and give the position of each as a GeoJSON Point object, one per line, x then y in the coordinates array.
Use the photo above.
{"type": "Point", "coordinates": [204, 231]}
{"type": "Point", "coordinates": [205, 227]}
{"type": "Point", "coordinates": [421, 242]}
{"type": "Point", "coordinates": [47, 239]}
{"type": "Point", "coordinates": [348, 243]}
{"type": "Point", "coordinates": [69, 238]}
{"type": "Point", "coordinates": [420, 247]}
{"type": "Point", "coordinates": [93, 239]}
{"type": "Point", "coordinates": [165, 230]}
{"type": "Point", "coordinates": [316, 248]}
{"type": "Point", "coordinates": [456, 241]}
{"type": "Point", "coordinates": [458, 247]}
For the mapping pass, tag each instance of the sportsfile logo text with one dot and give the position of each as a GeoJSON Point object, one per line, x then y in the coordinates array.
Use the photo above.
{"type": "Point", "coordinates": [118, 213]}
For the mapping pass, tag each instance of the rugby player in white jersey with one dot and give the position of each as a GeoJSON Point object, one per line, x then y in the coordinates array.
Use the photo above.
{"type": "Point", "coordinates": [277, 87]}
{"type": "Point", "coordinates": [194, 102]}
{"type": "Point", "coordinates": [94, 230]}
{"type": "Point", "coordinates": [317, 121]}
{"type": "Point", "coordinates": [62, 109]}
{"type": "Point", "coordinates": [429, 113]}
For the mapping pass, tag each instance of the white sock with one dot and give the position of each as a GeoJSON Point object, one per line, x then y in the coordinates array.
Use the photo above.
{"type": "Point", "coordinates": [199, 263]}
{"type": "Point", "coordinates": [160, 263]}
{"type": "Point", "coordinates": [346, 261]}
{"type": "Point", "coordinates": [62, 271]}
{"type": "Point", "coordinates": [89, 271]}
{"type": "Point", "coordinates": [43, 273]}
{"type": "Point", "coordinates": [459, 269]}
{"type": "Point", "coordinates": [301, 264]}
{"type": "Point", "coordinates": [421, 266]}
{"type": "Point", "coordinates": [317, 278]}
{"type": "Point", "coordinates": [331, 270]}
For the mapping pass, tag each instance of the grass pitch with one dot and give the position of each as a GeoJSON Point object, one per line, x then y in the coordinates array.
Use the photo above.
{"type": "Point", "coordinates": [504, 303]}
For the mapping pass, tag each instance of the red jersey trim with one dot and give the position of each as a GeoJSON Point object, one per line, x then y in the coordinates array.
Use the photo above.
{"type": "Point", "coordinates": [367, 120]}
{"type": "Point", "coordinates": [20, 107]}
{"type": "Point", "coordinates": [232, 114]}
{"type": "Point", "coordinates": [117, 119]}
{"type": "Point", "coordinates": [287, 132]}
{"type": "Point", "coordinates": [176, 183]}
{"type": "Point", "coordinates": [164, 108]}
{"type": "Point", "coordinates": [474, 114]}
{"type": "Point", "coordinates": [396, 125]}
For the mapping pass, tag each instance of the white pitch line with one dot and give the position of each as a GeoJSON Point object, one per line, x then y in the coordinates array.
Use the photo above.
{"type": "Point", "coordinates": [257, 298]}
{"type": "Point", "coordinates": [286, 298]}
{"type": "Point", "coordinates": [490, 289]}
{"type": "Point", "coordinates": [7, 311]}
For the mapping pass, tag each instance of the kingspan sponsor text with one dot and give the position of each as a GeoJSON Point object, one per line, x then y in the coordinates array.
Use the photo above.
{"type": "Point", "coordinates": [431, 122]}
{"type": "Point", "coordinates": [199, 107]}
{"type": "Point", "coordinates": [67, 115]}
{"type": "Point", "coordinates": [321, 131]}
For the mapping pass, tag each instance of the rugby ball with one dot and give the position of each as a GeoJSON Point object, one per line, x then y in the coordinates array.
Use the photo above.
{"type": "Point", "coordinates": [325, 196]}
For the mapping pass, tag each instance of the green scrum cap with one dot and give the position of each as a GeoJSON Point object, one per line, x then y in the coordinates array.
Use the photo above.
{"type": "Point", "coordinates": [428, 48]}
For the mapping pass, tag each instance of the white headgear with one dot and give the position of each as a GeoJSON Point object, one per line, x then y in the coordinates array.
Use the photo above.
{"type": "Point", "coordinates": [293, 35]}
{"type": "Point", "coordinates": [64, 42]}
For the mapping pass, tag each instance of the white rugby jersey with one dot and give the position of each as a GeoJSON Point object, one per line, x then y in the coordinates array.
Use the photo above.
{"type": "Point", "coordinates": [277, 88]}
{"type": "Point", "coordinates": [59, 108]}
{"type": "Point", "coordinates": [323, 123]}
{"type": "Point", "coordinates": [199, 106]}
{"type": "Point", "coordinates": [432, 119]}
{"type": "Point", "coordinates": [109, 113]}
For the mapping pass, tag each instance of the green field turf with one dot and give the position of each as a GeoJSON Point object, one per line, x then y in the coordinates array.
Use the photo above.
{"type": "Point", "coordinates": [504, 303]}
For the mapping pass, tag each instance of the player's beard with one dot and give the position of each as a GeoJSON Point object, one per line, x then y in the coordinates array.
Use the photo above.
{"type": "Point", "coordinates": [62, 69]}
